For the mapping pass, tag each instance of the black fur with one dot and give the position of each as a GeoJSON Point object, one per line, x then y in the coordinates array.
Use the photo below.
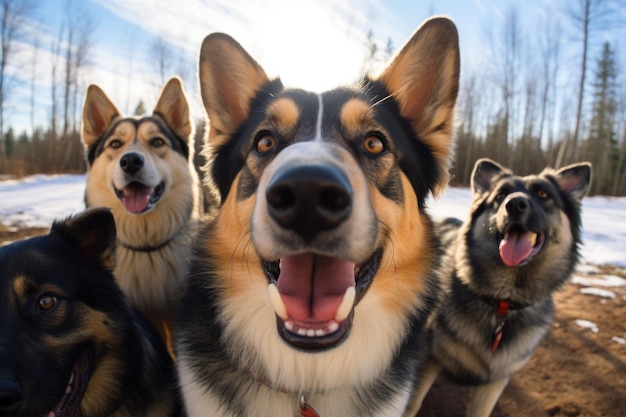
{"type": "Point", "coordinates": [69, 270]}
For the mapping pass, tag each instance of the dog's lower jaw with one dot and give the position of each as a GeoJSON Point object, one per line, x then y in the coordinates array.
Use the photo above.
{"type": "Point", "coordinates": [138, 198]}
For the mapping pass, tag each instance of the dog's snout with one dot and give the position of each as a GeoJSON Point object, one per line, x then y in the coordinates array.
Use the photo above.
{"type": "Point", "coordinates": [131, 162]}
{"type": "Point", "coordinates": [309, 199]}
{"type": "Point", "coordinates": [10, 394]}
{"type": "Point", "coordinates": [517, 206]}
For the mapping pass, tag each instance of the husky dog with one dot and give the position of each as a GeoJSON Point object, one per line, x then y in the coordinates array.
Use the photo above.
{"type": "Point", "coordinates": [141, 168]}
{"type": "Point", "coordinates": [70, 345]}
{"type": "Point", "coordinates": [310, 290]}
{"type": "Point", "coordinates": [518, 246]}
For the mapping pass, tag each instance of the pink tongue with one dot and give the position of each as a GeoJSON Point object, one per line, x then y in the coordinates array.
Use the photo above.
{"type": "Point", "coordinates": [136, 198]}
{"type": "Point", "coordinates": [515, 247]}
{"type": "Point", "coordinates": [312, 286]}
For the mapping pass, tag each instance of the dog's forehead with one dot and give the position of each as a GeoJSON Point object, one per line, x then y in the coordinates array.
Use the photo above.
{"type": "Point", "coordinates": [321, 116]}
{"type": "Point", "coordinates": [523, 184]}
{"type": "Point", "coordinates": [125, 129]}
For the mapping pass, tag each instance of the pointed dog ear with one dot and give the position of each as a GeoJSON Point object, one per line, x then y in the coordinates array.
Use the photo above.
{"type": "Point", "coordinates": [92, 233]}
{"type": "Point", "coordinates": [229, 80]}
{"type": "Point", "coordinates": [424, 79]}
{"type": "Point", "coordinates": [484, 172]}
{"type": "Point", "coordinates": [98, 114]}
{"type": "Point", "coordinates": [575, 179]}
{"type": "Point", "coordinates": [174, 108]}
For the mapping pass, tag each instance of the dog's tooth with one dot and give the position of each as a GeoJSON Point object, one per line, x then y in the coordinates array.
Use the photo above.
{"type": "Point", "coordinates": [301, 332]}
{"type": "Point", "coordinates": [72, 378]}
{"type": "Point", "coordinates": [332, 327]}
{"type": "Point", "coordinates": [68, 389]}
{"type": "Point", "coordinates": [533, 239]}
{"type": "Point", "coordinates": [346, 304]}
{"type": "Point", "coordinates": [277, 302]}
{"type": "Point", "coordinates": [320, 332]}
{"type": "Point", "coordinates": [289, 326]}
{"type": "Point", "coordinates": [310, 333]}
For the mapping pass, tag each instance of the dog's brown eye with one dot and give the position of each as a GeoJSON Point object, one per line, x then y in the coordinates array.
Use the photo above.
{"type": "Point", "coordinates": [157, 142]}
{"type": "Point", "coordinates": [46, 302]}
{"type": "Point", "coordinates": [115, 144]}
{"type": "Point", "coordinates": [542, 194]}
{"type": "Point", "coordinates": [500, 197]}
{"type": "Point", "coordinates": [265, 143]}
{"type": "Point", "coordinates": [374, 145]}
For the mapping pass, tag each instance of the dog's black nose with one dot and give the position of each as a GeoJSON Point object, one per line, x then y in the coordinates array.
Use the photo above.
{"type": "Point", "coordinates": [309, 199]}
{"type": "Point", "coordinates": [517, 206]}
{"type": "Point", "coordinates": [131, 162]}
{"type": "Point", "coordinates": [10, 395]}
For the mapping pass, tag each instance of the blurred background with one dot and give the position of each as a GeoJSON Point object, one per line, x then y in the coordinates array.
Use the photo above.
{"type": "Point", "coordinates": [541, 81]}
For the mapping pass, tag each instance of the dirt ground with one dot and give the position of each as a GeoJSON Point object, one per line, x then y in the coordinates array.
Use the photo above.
{"type": "Point", "coordinates": [573, 373]}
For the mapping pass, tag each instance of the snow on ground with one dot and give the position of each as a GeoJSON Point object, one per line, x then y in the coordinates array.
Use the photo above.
{"type": "Point", "coordinates": [37, 200]}
{"type": "Point", "coordinates": [586, 324]}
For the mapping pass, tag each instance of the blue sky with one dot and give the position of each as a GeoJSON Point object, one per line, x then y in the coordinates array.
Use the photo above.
{"type": "Point", "coordinates": [312, 44]}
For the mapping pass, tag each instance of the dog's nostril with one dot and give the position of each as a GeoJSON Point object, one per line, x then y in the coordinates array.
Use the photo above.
{"type": "Point", "coordinates": [281, 197]}
{"type": "Point", "coordinates": [334, 199]}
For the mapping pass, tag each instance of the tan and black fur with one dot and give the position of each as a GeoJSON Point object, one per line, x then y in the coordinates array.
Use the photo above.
{"type": "Point", "coordinates": [310, 289]}
{"type": "Point", "coordinates": [141, 168]}
{"type": "Point", "coordinates": [70, 345]}
{"type": "Point", "coordinates": [501, 267]}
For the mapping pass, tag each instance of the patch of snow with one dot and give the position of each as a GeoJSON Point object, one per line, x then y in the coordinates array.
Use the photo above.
{"type": "Point", "coordinates": [587, 325]}
{"type": "Point", "coordinates": [604, 281]}
{"type": "Point", "coordinates": [619, 340]}
{"type": "Point", "coordinates": [597, 292]}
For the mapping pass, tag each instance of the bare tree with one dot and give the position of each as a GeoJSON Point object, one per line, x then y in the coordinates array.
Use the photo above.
{"type": "Point", "coordinates": [550, 47]}
{"type": "Point", "coordinates": [162, 53]}
{"type": "Point", "coordinates": [14, 12]}
{"type": "Point", "coordinates": [55, 49]}
{"type": "Point", "coordinates": [588, 17]}
{"type": "Point", "coordinates": [505, 52]}
{"type": "Point", "coordinates": [77, 44]}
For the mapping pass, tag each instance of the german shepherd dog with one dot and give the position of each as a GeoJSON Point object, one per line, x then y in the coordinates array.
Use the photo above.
{"type": "Point", "coordinates": [141, 169]}
{"type": "Point", "coordinates": [519, 245]}
{"type": "Point", "coordinates": [70, 345]}
{"type": "Point", "coordinates": [309, 290]}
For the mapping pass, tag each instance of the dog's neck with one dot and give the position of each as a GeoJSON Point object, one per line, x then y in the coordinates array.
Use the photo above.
{"type": "Point", "coordinates": [148, 248]}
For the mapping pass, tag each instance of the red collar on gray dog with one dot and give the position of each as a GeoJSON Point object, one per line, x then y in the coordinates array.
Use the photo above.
{"type": "Point", "coordinates": [502, 311]}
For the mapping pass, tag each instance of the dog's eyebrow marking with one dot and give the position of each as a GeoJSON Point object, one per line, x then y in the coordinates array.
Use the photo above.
{"type": "Point", "coordinates": [318, 126]}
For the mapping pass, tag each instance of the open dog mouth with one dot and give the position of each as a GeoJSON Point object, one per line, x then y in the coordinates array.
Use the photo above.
{"type": "Point", "coordinates": [518, 246]}
{"type": "Point", "coordinates": [77, 385]}
{"type": "Point", "coordinates": [139, 198]}
{"type": "Point", "coordinates": [314, 297]}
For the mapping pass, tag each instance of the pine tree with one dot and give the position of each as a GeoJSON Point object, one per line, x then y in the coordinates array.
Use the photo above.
{"type": "Point", "coordinates": [601, 146]}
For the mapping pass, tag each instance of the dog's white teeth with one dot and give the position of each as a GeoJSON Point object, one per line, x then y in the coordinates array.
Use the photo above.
{"type": "Point", "coordinates": [69, 388]}
{"type": "Point", "coordinates": [533, 239]}
{"type": "Point", "coordinates": [332, 327]}
{"type": "Point", "coordinates": [277, 302]}
{"type": "Point", "coordinates": [346, 304]}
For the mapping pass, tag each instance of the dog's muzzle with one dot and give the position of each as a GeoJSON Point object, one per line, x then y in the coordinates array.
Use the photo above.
{"type": "Point", "coordinates": [521, 235]}
{"type": "Point", "coordinates": [313, 290]}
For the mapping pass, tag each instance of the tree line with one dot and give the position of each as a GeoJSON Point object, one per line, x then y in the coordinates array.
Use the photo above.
{"type": "Point", "coordinates": [535, 99]}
